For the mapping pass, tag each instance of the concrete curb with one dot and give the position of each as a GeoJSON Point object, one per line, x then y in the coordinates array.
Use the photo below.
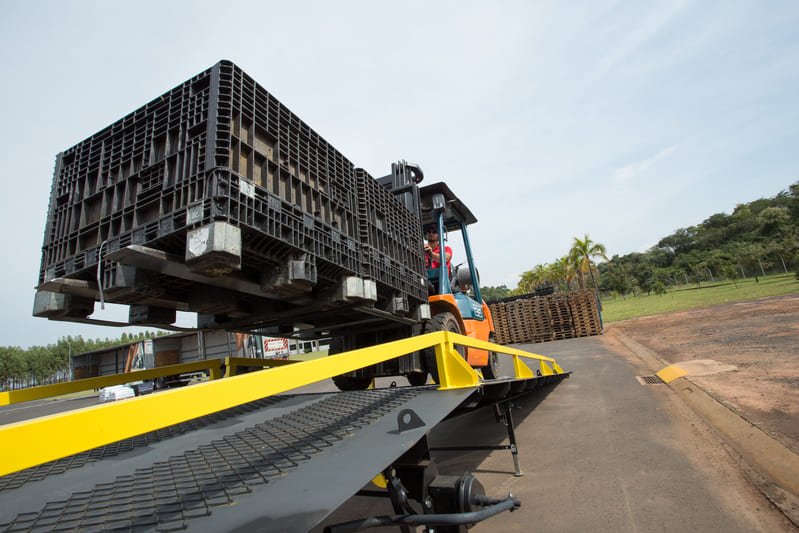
{"type": "Point", "coordinates": [775, 467]}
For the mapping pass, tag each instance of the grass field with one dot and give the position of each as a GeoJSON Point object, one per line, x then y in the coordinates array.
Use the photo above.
{"type": "Point", "coordinates": [692, 296]}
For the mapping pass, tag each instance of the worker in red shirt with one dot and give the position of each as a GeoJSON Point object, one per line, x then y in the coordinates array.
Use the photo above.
{"type": "Point", "coordinates": [432, 252]}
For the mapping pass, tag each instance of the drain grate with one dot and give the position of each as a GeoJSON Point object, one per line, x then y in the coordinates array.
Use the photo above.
{"type": "Point", "coordinates": [649, 380]}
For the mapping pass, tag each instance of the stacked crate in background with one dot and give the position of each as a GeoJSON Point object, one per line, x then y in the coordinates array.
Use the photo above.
{"type": "Point", "coordinates": [530, 318]}
{"type": "Point", "coordinates": [218, 158]}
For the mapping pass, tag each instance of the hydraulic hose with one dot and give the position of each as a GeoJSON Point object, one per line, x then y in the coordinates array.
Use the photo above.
{"type": "Point", "coordinates": [454, 519]}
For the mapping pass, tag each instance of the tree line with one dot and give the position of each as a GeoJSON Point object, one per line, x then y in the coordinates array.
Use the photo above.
{"type": "Point", "coordinates": [757, 237]}
{"type": "Point", "coordinates": [40, 365]}
{"type": "Point", "coordinates": [575, 270]}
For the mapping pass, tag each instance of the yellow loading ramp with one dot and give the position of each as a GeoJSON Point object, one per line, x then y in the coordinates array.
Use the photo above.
{"type": "Point", "coordinates": [238, 451]}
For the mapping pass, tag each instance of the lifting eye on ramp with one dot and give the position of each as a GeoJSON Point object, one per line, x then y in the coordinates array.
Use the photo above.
{"type": "Point", "coordinates": [408, 419]}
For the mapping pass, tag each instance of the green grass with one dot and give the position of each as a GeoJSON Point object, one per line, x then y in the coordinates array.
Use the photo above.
{"type": "Point", "coordinates": [690, 297]}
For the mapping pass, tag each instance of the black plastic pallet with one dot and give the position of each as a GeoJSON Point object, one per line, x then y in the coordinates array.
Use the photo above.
{"type": "Point", "coordinates": [151, 164]}
{"type": "Point", "coordinates": [391, 239]}
{"type": "Point", "coordinates": [220, 148]}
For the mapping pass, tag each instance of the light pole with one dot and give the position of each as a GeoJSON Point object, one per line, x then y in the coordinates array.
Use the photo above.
{"type": "Point", "coordinates": [69, 360]}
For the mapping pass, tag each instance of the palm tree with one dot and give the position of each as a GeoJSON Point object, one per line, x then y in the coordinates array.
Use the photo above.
{"type": "Point", "coordinates": [582, 253]}
{"type": "Point", "coordinates": [532, 278]}
{"type": "Point", "coordinates": [562, 271]}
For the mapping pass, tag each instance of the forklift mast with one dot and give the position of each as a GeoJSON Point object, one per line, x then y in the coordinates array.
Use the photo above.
{"type": "Point", "coordinates": [435, 204]}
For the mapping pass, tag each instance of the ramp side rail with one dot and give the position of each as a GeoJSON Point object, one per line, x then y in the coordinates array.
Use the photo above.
{"type": "Point", "coordinates": [213, 366]}
{"type": "Point", "coordinates": [33, 442]}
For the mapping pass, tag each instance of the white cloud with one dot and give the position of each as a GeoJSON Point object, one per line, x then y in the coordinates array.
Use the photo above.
{"type": "Point", "coordinates": [630, 171]}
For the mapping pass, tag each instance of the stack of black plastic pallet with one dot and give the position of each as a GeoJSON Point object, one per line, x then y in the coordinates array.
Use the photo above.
{"type": "Point", "coordinates": [530, 318]}
{"type": "Point", "coordinates": [219, 147]}
{"type": "Point", "coordinates": [391, 251]}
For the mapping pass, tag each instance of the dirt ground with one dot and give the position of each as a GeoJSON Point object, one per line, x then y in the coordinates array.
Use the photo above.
{"type": "Point", "coordinates": [760, 338]}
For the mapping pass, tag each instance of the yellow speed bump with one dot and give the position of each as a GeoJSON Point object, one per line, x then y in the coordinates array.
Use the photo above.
{"type": "Point", "coordinates": [670, 373]}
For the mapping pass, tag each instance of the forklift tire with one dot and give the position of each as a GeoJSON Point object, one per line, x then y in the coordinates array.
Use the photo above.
{"type": "Point", "coordinates": [441, 322]}
{"type": "Point", "coordinates": [491, 370]}
{"type": "Point", "coordinates": [344, 382]}
{"type": "Point", "coordinates": [351, 383]}
{"type": "Point", "coordinates": [417, 379]}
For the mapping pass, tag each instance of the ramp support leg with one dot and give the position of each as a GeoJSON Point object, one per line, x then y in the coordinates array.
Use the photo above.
{"type": "Point", "coordinates": [507, 419]}
{"type": "Point", "coordinates": [502, 412]}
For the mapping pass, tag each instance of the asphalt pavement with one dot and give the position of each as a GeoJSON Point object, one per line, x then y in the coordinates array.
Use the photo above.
{"type": "Point", "coordinates": [599, 452]}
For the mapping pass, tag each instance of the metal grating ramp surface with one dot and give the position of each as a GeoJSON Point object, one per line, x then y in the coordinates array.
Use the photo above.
{"type": "Point", "coordinates": [37, 473]}
{"type": "Point", "coordinates": [242, 468]}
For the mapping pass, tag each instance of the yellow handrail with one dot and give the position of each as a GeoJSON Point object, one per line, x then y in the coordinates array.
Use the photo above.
{"type": "Point", "coordinates": [57, 389]}
{"type": "Point", "coordinates": [33, 442]}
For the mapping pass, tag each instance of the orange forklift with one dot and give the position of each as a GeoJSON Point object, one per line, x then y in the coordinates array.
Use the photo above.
{"type": "Point", "coordinates": [454, 301]}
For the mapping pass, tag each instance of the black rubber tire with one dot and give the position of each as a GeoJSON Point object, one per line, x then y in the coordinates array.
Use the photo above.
{"type": "Point", "coordinates": [347, 383]}
{"type": "Point", "coordinates": [417, 379]}
{"type": "Point", "coordinates": [441, 322]}
{"type": "Point", "coordinates": [491, 371]}
{"type": "Point", "coordinates": [351, 383]}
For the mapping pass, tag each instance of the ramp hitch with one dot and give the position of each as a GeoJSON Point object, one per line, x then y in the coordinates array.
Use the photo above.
{"type": "Point", "coordinates": [451, 504]}
{"type": "Point", "coordinates": [439, 522]}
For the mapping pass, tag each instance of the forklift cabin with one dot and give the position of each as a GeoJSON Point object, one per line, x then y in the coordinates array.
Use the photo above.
{"type": "Point", "coordinates": [460, 295]}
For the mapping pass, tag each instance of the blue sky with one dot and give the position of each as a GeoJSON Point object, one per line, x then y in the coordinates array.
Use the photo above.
{"type": "Point", "coordinates": [623, 120]}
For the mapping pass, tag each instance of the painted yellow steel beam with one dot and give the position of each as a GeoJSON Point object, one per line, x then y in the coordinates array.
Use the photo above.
{"type": "Point", "coordinates": [453, 370]}
{"type": "Point", "coordinates": [547, 365]}
{"type": "Point", "coordinates": [57, 389]}
{"type": "Point", "coordinates": [33, 442]}
{"type": "Point", "coordinates": [484, 345]}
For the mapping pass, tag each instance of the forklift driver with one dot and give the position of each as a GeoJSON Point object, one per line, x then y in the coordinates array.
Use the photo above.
{"type": "Point", "coordinates": [432, 254]}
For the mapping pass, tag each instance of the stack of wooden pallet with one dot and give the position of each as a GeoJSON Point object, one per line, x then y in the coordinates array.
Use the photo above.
{"type": "Point", "coordinates": [530, 318]}
{"type": "Point", "coordinates": [560, 316]}
{"type": "Point", "coordinates": [501, 325]}
{"type": "Point", "coordinates": [538, 314]}
{"type": "Point", "coordinates": [585, 313]}
{"type": "Point", "coordinates": [521, 326]}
